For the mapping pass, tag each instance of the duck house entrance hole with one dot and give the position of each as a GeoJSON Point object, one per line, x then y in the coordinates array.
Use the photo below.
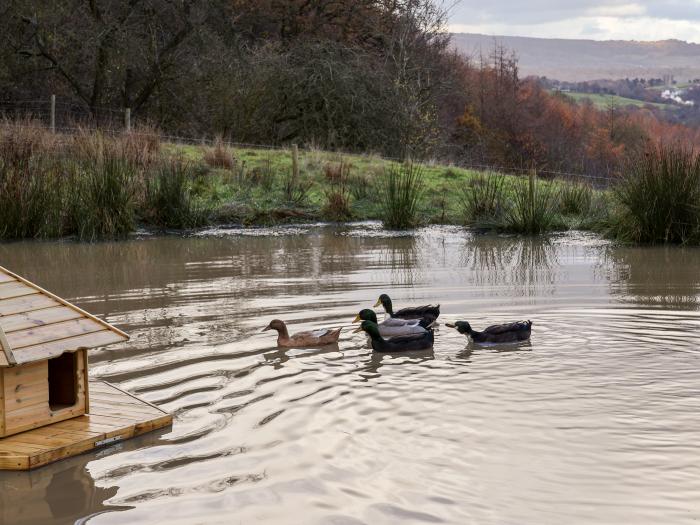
{"type": "Point", "coordinates": [63, 381]}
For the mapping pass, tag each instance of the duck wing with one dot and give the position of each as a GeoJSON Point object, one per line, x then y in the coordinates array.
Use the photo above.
{"type": "Point", "coordinates": [396, 330]}
{"type": "Point", "coordinates": [395, 321]}
{"type": "Point", "coordinates": [426, 312]}
{"type": "Point", "coordinates": [499, 329]}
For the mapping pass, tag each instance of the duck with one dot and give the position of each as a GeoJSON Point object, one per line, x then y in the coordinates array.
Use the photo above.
{"type": "Point", "coordinates": [404, 343]}
{"type": "Point", "coordinates": [322, 337]}
{"type": "Point", "coordinates": [428, 313]}
{"type": "Point", "coordinates": [392, 327]}
{"type": "Point", "coordinates": [498, 333]}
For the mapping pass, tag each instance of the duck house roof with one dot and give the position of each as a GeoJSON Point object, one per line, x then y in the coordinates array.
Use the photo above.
{"type": "Point", "coordinates": [36, 325]}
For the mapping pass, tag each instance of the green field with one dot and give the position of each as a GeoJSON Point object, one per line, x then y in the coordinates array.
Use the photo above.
{"type": "Point", "coordinates": [604, 101]}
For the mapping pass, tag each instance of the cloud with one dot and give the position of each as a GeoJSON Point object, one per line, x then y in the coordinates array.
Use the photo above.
{"type": "Point", "coordinates": [599, 19]}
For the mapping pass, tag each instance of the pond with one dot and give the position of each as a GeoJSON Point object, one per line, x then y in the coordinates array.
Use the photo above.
{"type": "Point", "coordinates": [595, 420]}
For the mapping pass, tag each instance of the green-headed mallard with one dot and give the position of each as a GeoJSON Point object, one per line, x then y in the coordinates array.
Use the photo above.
{"type": "Point", "coordinates": [392, 327]}
{"type": "Point", "coordinates": [402, 343]}
{"type": "Point", "coordinates": [498, 333]}
{"type": "Point", "coordinates": [428, 313]}
{"type": "Point", "coordinates": [320, 337]}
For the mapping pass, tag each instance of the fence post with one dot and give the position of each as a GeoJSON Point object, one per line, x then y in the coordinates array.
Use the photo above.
{"type": "Point", "coordinates": [53, 113]}
{"type": "Point", "coordinates": [295, 163]}
{"type": "Point", "coordinates": [127, 119]}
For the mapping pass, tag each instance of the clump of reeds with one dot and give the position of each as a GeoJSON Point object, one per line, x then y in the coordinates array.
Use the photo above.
{"type": "Point", "coordinates": [534, 206]}
{"type": "Point", "coordinates": [103, 196]}
{"type": "Point", "coordinates": [484, 199]}
{"type": "Point", "coordinates": [295, 190]}
{"type": "Point", "coordinates": [220, 155]}
{"type": "Point", "coordinates": [32, 196]}
{"type": "Point", "coordinates": [400, 192]}
{"type": "Point", "coordinates": [658, 197]}
{"type": "Point", "coordinates": [337, 206]}
{"type": "Point", "coordinates": [575, 198]}
{"type": "Point", "coordinates": [263, 175]}
{"type": "Point", "coordinates": [360, 186]}
{"type": "Point", "coordinates": [169, 202]}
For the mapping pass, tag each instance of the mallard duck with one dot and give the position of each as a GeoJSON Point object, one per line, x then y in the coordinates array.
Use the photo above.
{"type": "Point", "coordinates": [498, 333]}
{"type": "Point", "coordinates": [392, 327]}
{"type": "Point", "coordinates": [429, 313]}
{"type": "Point", "coordinates": [324, 336]}
{"type": "Point", "coordinates": [402, 343]}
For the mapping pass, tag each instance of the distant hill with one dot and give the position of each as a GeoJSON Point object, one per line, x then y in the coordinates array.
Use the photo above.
{"type": "Point", "coordinates": [578, 60]}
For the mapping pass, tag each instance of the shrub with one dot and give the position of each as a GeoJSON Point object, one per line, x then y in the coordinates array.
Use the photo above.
{"type": "Point", "coordinates": [658, 197]}
{"type": "Point", "coordinates": [484, 198]}
{"type": "Point", "coordinates": [400, 192]}
{"type": "Point", "coordinates": [534, 207]}
{"type": "Point", "coordinates": [168, 198]}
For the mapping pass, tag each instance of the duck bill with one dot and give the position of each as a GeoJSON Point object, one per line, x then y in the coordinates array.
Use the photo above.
{"type": "Point", "coordinates": [268, 327]}
{"type": "Point", "coordinates": [449, 325]}
{"type": "Point", "coordinates": [357, 319]}
{"type": "Point", "coordinates": [378, 303]}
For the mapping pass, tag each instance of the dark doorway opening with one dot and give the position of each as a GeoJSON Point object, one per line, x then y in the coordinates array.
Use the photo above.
{"type": "Point", "coordinates": [63, 382]}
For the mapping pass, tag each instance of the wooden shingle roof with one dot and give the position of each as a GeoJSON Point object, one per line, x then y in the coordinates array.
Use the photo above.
{"type": "Point", "coordinates": [37, 325]}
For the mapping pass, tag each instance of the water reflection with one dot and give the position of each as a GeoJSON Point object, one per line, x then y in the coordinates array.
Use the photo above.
{"type": "Point", "coordinates": [62, 492]}
{"type": "Point", "coordinates": [664, 277]}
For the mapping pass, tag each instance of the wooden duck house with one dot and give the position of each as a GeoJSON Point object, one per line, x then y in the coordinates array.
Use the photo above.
{"type": "Point", "coordinates": [49, 409]}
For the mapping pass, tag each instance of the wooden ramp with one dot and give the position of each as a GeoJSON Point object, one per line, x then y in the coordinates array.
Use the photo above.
{"type": "Point", "coordinates": [114, 415]}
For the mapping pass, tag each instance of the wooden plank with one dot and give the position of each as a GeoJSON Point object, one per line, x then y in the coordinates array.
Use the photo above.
{"type": "Point", "coordinates": [55, 348]}
{"type": "Point", "coordinates": [25, 418]}
{"type": "Point", "coordinates": [45, 316]}
{"type": "Point", "coordinates": [52, 332]}
{"type": "Point", "coordinates": [9, 461]}
{"type": "Point", "coordinates": [15, 289]}
{"type": "Point", "coordinates": [27, 303]}
{"type": "Point", "coordinates": [5, 278]}
{"type": "Point", "coordinates": [25, 398]}
{"type": "Point", "coordinates": [108, 326]}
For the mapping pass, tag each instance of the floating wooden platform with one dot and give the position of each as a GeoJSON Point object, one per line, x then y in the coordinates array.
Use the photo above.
{"type": "Point", "coordinates": [114, 415]}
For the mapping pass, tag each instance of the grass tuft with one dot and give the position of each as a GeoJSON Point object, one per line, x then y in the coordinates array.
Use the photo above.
{"type": "Point", "coordinates": [658, 198]}
{"type": "Point", "coordinates": [400, 192]}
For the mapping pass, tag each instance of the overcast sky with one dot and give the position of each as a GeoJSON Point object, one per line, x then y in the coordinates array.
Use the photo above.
{"type": "Point", "coordinates": [596, 19]}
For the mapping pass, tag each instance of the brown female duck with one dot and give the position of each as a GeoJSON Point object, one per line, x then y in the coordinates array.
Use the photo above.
{"type": "Point", "coordinates": [320, 337]}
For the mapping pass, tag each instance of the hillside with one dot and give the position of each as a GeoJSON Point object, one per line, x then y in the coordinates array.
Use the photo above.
{"type": "Point", "coordinates": [578, 60]}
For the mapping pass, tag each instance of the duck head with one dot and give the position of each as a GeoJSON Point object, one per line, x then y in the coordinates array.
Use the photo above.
{"type": "Point", "coordinates": [366, 315]}
{"type": "Point", "coordinates": [276, 324]}
{"type": "Point", "coordinates": [385, 301]}
{"type": "Point", "coordinates": [462, 327]}
{"type": "Point", "coordinates": [370, 328]}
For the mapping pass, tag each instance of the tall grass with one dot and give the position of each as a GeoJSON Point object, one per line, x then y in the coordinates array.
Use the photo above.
{"type": "Point", "coordinates": [169, 202]}
{"type": "Point", "coordinates": [103, 197]}
{"type": "Point", "coordinates": [658, 198]}
{"type": "Point", "coordinates": [484, 199]}
{"type": "Point", "coordinates": [400, 192]}
{"type": "Point", "coordinates": [337, 205]}
{"type": "Point", "coordinates": [575, 198]}
{"type": "Point", "coordinates": [534, 206]}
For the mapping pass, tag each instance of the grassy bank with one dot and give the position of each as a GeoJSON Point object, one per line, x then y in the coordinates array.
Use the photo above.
{"type": "Point", "coordinates": [94, 186]}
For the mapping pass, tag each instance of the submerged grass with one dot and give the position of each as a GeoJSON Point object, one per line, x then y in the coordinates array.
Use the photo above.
{"type": "Point", "coordinates": [534, 207]}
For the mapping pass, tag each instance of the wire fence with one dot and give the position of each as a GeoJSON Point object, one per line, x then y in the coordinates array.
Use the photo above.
{"type": "Point", "coordinates": [72, 118]}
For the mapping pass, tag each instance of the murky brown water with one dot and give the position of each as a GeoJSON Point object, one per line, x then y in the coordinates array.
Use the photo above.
{"type": "Point", "coordinates": [594, 421]}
